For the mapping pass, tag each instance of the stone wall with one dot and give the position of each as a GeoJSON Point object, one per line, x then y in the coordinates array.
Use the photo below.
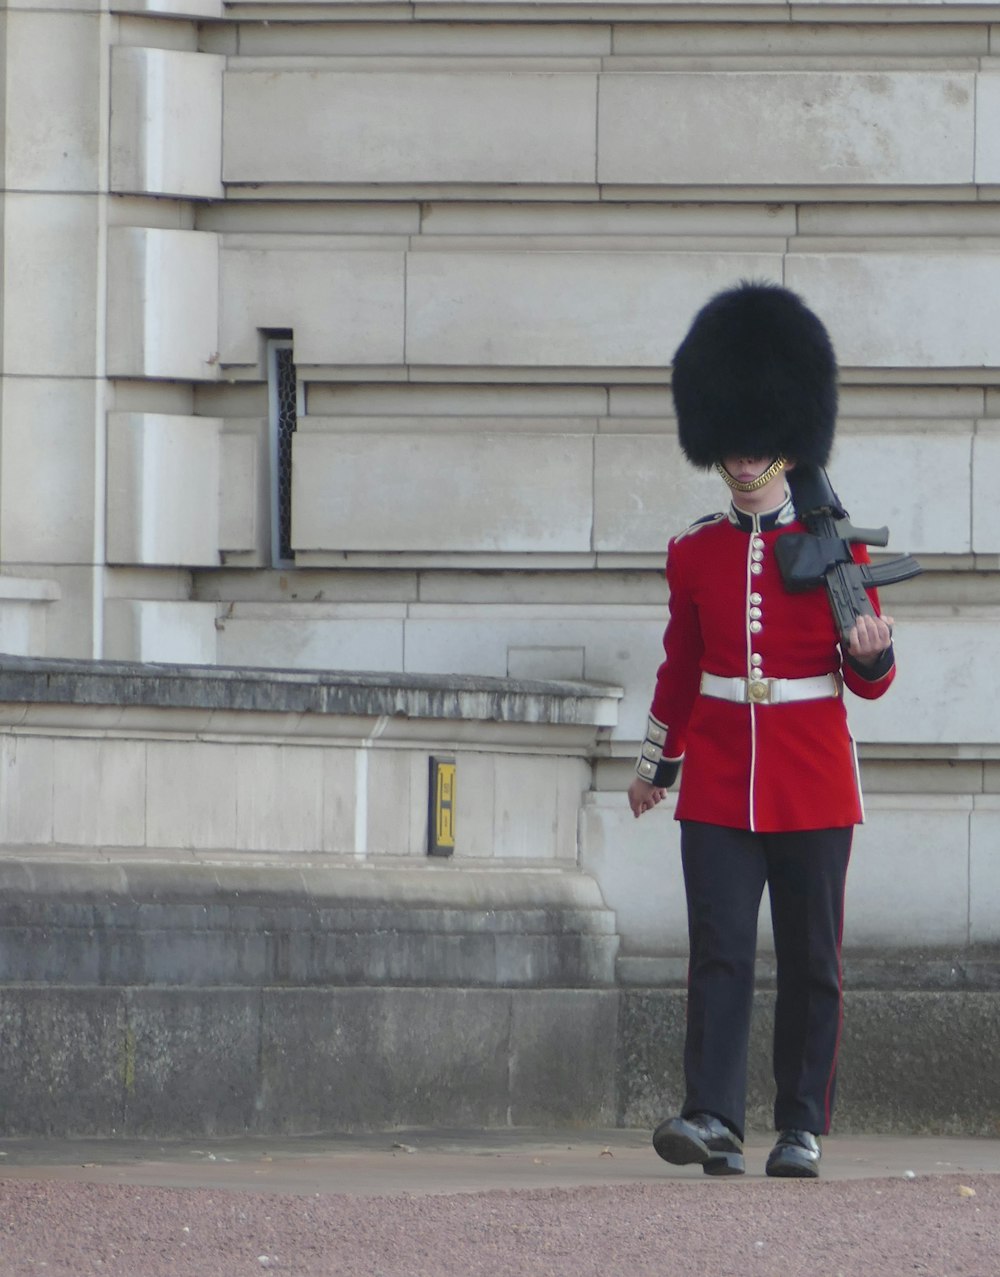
{"type": "Point", "coordinates": [482, 227]}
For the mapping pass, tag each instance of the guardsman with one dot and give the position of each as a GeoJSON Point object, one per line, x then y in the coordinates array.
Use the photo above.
{"type": "Point", "coordinates": [750, 698]}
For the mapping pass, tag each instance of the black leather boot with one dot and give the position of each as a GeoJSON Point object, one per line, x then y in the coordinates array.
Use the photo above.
{"type": "Point", "coordinates": [700, 1139]}
{"type": "Point", "coordinates": [795, 1156]}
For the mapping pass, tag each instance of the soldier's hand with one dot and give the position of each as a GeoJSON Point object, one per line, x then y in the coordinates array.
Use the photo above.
{"type": "Point", "coordinates": [642, 796]}
{"type": "Point", "coordinates": [868, 638]}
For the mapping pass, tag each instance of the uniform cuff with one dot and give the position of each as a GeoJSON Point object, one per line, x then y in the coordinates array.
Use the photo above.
{"type": "Point", "coordinates": [651, 764]}
{"type": "Point", "coordinates": [872, 673]}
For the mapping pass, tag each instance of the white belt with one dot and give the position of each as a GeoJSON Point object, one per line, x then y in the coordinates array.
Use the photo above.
{"type": "Point", "coordinates": [770, 691]}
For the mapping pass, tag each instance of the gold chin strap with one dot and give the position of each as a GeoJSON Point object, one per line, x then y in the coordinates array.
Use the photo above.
{"type": "Point", "coordinates": [775, 468]}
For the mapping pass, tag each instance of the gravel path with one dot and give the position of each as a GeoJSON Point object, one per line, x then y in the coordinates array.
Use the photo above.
{"type": "Point", "coordinates": [942, 1226]}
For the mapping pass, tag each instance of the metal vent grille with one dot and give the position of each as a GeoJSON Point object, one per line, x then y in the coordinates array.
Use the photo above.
{"type": "Point", "coordinates": [287, 397]}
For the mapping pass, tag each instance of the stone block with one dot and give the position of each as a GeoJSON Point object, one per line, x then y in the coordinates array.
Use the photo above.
{"type": "Point", "coordinates": [53, 106]}
{"type": "Point", "coordinates": [172, 8]}
{"type": "Point", "coordinates": [163, 630]}
{"type": "Point", "coordinates": [651, 1045]}
{"type": "Point", "coordinates": [637, 865]}
{"type": "Point", "coordinates": [563, 1057]}
{"type": "Point", "coordinates": [64, 1067]}
{"type": "Point", "coordinates": [189, 1061]}
{"type": "Point", "coordinates": [645, 492]}
{"type": "Point", "coordinates": [65, 629]}
{"type": "Point", "coordinates": [279, 798]}
{"type": "Point", "coordinates": [609, 219]}
{"type": "Point", "coordinates": [24, 607]}
{"type": "Point", "coordinates": [787, 128]}
{"type": "Point", "coordinates": [433, 494]}
{"type": "Point", "coordinates": [896, 1049]}
{"type": "Point", "coordinates": [50, 247]}
{"type": "Point", "coordinates": [937, 697]}
{"type": "Point", "coordinates": [937, 309]}
{"type": "Point", "coordinates": [987, 143]}
{"type": "Point", "coordinates": [946, 403]}
{"type": "Point", "coordinates": [420, 39]}
{"type": "Point", "coordinates": [821, 32]}
{"type": "Point", "coordinates": [400, 1057]}
{"type": "Point", "coordinates": [529, 820]}
{"type": "Point", "coordinates": [163, 490]}
{"type": "Point", "coordinates": [166, 122]}
{"type": "Point", "coordinates": [574, 778]}
{"type": "Point", "coordinates": [984, 870]}
{"type": "Point", "coordinates": [344, 307]}
{"type": "Point", "coordinates": [191, 795]}
{"type": "Point", "coordinates": [361, 639]}
{"type": "Point", "coordinates": [545, 662]}
{"type": "Point", "coordinates": [626, 653]}
{"type": "Point", "coordinates": [47, 469]}
{"type": "Point", "coordinates": [27, 779]}
{"type": "Point", "coordinates": [397, 827]}
{"type": "Point", "coordinates": [163, 303]}
{"type": "Point", "coordinates": [244, 505]}
{"type": "Point", "coordinates": [98, 793]}
{"type": "Point", "coordinates": [474, 801]}
{"type": "Point", "coordinates": [985, 508]}
{"type": "Point", "coordinates": [415, 401]}
{"type": "Point", "coordinates": [622, 645]}
{"type": "Point", "coordinates": [640, 401]}
{"type": "Point", "coordinates": [339, 790]}
{"type": "Point", "coordinates": [552, 309]}
{"type": "Point", "coordinates": [418, 127]}
{"type": "Point", "coordinates": [912, 852]}
{"type": "Point", "coordinates": [927, 504]}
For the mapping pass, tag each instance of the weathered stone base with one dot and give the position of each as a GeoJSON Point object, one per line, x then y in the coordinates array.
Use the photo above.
{"type": "Point", "coordinates": [143, 1062]}
{"type": "Point", "coordinates": [174, 1062]}
{"type": "Point", "coordinates": [910, 1062]}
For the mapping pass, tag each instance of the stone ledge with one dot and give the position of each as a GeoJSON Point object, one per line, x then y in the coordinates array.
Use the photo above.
{"type": "Point", "coordinates": [436, 696]}
{"type": "Point", "coordinates": [616, 11]}
{"type": "Point", "coordinates": [24, 589]}
{"type": "Point", "coordinates": [201, 925]}
{"type": "Point", "coordinates": [976, 968]}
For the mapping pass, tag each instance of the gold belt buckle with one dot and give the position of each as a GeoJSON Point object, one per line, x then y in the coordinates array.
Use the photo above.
{"type": "Point", "coordinates": [759, 690]}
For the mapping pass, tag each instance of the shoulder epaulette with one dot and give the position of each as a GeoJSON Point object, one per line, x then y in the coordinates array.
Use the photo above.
{"type": "Point", "coordinates": [708, 520]}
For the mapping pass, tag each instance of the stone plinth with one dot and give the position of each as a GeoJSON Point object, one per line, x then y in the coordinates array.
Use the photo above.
{"type": "Point", "coordinates": [223, 874]}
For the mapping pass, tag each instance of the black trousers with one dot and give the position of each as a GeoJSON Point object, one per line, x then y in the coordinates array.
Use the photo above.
{"type": "Point", "coordinates": [725, 871]}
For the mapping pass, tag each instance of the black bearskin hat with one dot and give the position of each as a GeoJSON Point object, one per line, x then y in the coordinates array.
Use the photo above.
{"type": "Point", "coordinates": [756, 376]}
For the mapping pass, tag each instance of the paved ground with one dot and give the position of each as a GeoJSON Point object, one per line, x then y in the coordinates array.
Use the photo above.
{"type": "Point", "coordinates": [434, 1162]}
{"type": "Point", "coordinates": [438, 1204]}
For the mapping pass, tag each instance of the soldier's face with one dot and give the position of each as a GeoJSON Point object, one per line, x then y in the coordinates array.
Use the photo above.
{"type": "Point", "coordinates": [745, 470]}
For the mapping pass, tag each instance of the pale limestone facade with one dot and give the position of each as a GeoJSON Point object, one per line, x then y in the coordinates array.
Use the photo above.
{"type": "Point", "coordinates": [483, 228]}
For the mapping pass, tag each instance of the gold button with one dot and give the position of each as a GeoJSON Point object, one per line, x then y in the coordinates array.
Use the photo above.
{"type": "Point", "coordinates": [756, 613]}
{"type": "Point", "coordinates": [756, 569]}
{"type": "Point", "coordinates": [757, 543]}
{"type": "Point", "coordinates": [755, 627]}
{"type": "Point", "coordinates": [758, 691]}
{"type": "Point", "coordinates": [756, 598]}
{"type": "Point", "coordinates": [756, 659]}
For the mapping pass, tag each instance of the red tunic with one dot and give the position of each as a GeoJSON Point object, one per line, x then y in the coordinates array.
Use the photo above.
{"type": "Point", "coordinates": [772, 767]}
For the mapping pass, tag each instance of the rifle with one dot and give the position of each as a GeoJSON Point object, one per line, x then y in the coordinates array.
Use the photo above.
{"type": "Point", "coordinates": [822, 556]}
